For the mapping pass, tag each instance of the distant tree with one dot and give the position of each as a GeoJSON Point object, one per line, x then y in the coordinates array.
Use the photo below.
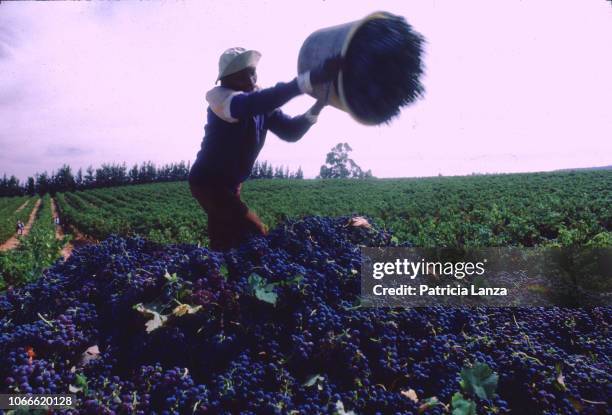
{"type": "Point", "coordinates": [10, 186]}
{"type": "Point", "coordinates": [338, 165]}
{"type": "Point", "coordinates": [63, 180]}
{"type": "Point", "coordinates": [299, 174]}
{"type": "Point", "coordinates": [134, 174]}
{"type": "Point", "coordinates": [31, 186]}
{"type": "Point", "coordinates": [90, 178]}
{"type": "Point", "coordinates": [78, 179]}
{"type": "Point", "coordinates": [147, 173]}
{"type": "Point", "coordinates": [43, 183]}
{"type": "Point", "coordinates": [263, 170]}
{"type": "Point", "coordinates": [255, 171]}
{"type": "Point", "coordinates": [278, 172]}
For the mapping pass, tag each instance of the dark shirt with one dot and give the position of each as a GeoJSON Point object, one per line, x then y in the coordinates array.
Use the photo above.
{"type": "Point", "coordinates": [236, 129]}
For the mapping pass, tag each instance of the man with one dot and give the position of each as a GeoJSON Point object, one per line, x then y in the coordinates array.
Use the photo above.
{"type": "Point", "coordinates": [238, 117]}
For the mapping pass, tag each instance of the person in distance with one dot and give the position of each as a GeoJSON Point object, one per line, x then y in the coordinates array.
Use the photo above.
{"type": "Point", "coordinates": [238, 117]}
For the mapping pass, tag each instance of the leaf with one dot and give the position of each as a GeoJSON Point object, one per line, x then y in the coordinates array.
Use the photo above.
{"type": "Point", "coordinates": [81, 380]}
{"type": "Point", "coordinates": [411, 394]}
{"type": "Point", "coordinates": [293, 281]}
{"type": "Point", "coordinates": [341, 411]}
{"type": "Point", "coordinates": [171, 278]}
{"type": "Point", "coordinates": [266, 295]}
{"type": "Point", "coordinates": [157, 319]}
{"type": "Point", "coordinates": [560, 379]}
{"type": "Point", "coordinates": [462, 406]}
{"type": "Point", "coordinates": [183, 309]}
{"type": "Point", "coordinates": [224, 272]}
{"type": "Point", "coordinates": [262, 290]}
{"type": "Point", "coordinates": [479, 380]}
{"type": "Point", "coordinates": [92, 353]}
{"type": "Point", "coordinates": [428, 403]}
{"type": "Point", "coordinates": [80, 384]}
{"type": "Point", "coordinates": [359, 222]}
{"type": "Point", "coordinates": [315, 380]}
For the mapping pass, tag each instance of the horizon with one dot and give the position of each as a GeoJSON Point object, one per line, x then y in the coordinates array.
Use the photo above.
{"type": "Point", "coordinates": [188, 162]}
{"type": "Point", "coordinates": [100, 83]}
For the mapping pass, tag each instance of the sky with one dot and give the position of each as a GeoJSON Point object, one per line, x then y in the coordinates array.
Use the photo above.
{"type": "Point", "coordinates": [511, 86]}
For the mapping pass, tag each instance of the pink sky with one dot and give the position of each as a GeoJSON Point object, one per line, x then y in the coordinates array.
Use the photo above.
{"type": "Point", "coordinates": [510, 86]}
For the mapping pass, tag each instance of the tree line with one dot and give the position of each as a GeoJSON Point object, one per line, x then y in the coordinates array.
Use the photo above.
{"type": "Point", "coordinates": [338, 165]}
{"type": "Point", "coordinates": [265, 170]}
{"type": "Point", "coordinates": [108, 175]}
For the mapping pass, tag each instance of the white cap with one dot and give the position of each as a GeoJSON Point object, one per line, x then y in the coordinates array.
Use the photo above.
{"type": "Point", "coordinates": [236, 59]}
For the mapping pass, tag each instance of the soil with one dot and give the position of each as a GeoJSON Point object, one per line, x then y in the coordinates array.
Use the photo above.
{"type": "Point", "coordinates": [78, 238]}
{"type": "Point", "coordinates": [22, 206]}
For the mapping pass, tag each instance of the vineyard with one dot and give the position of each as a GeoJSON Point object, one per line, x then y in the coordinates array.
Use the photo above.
{"type": "Point", "coordinates": [521, 209]}
{"type": "Point", "coordinates": [35, 252]}
{"type": "Point", "coordinates": [13, 209]}
{"type": "Point", "coordinates": [149, 320]}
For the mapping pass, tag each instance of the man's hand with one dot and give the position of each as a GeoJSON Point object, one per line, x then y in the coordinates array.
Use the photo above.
{"type": "Point", "coordinates": [327, 72]}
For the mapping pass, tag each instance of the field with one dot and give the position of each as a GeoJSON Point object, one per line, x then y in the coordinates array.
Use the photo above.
{"type": "Point", "coordinates": [143, 325]}
{"type": "Point", "coordinates": [522, 209]}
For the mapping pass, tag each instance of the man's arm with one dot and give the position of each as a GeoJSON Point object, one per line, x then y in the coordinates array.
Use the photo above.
{"type": "Point", "coordinates": [291, 129]}
{"type": "Point", "coordinates": [262, 102]}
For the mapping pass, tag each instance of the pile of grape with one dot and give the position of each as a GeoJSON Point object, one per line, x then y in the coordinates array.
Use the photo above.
{"type": "Point", "coordinates": [276, 327]}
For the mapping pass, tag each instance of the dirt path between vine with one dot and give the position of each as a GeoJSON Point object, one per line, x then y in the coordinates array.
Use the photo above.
{"type": "Point", "coordinates": [59, 231]}
{"type": "Point", "coordinates": [13, 241]}
{"type": "Point", "coordinates": [78, 239]}
{"type": "Point", "coordinates": [20, 208]}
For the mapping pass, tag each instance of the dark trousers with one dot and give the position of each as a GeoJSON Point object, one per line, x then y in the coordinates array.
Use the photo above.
{"type": "Point", "coordinates": [230, 222]}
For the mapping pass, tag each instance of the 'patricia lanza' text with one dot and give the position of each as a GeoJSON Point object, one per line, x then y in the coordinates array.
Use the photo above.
{"type": "Point", "coordinates": [404, 290]}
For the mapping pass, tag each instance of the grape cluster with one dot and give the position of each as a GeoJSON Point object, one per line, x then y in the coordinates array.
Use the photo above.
{"type": "Point", "coordinates": [276, 326]}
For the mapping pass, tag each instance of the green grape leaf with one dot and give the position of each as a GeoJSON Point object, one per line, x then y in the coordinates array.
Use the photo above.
{"type": "Point", "coordinates": [224, 272]}
{"type": "Point", "coordinates": [262, 290]}
{"type": "Point", "coordinates": [171, 278]}
{"type": "Point", "coordinates": [462, 406]}
{"type": "Point", "coordinates": [479, 380]}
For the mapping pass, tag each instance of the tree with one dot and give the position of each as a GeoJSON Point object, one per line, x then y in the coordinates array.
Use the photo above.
{"type": "Point", "coordinates": [134, 174]}
{"type": "Point", "coordinates": [63, 180]}
{"type": "Point", "coordinates": [10, 186]}
{"type": "Point", "coordinates": [31, 186]}
{"type": "Point", "coordinates": [278, 172]}
{"type": "Point", "coordinates": [42, 183]}
{"type": "Point", "coordinates": [338, 165]}
{"type": "Point", "coordinates": [78, 179]}
{"type": "Point", "coordinates": [90, 179]}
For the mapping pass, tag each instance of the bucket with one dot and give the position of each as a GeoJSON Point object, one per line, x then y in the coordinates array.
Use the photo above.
{"type": "Point", "coordinates": [336, 40]}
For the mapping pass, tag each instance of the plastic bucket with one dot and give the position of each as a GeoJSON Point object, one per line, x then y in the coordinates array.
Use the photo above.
{"type": "Point", "coordinates": [326, 43]}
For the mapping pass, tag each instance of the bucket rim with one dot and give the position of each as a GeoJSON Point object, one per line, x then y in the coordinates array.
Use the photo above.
{"type": "Point", "coordinates": [345, 46]}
